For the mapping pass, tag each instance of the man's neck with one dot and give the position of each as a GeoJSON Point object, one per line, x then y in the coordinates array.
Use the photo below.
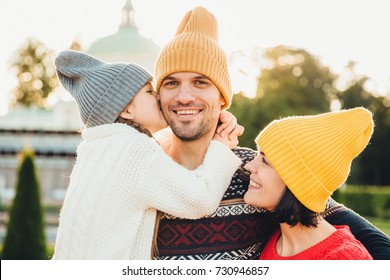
{"type": "Point", "coordinates": [188, 154]}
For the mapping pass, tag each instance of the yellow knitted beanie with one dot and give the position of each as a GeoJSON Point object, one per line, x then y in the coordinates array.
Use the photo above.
{"type": "Point", "coordinates": [313, 154]}
{"type": "Point", "coordinates": [195, 48]}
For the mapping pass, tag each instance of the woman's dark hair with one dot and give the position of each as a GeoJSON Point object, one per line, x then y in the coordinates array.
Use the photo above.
{"type": "Point", "coordinates": [134, 124]}
{"type": "Point", "coordinates": [291, 211]}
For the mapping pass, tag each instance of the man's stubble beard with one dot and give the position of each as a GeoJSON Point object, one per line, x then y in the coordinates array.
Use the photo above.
{"type": "Point", "coordinates": [187, 134]}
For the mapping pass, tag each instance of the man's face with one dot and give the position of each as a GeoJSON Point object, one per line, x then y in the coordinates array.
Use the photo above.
{"type": "Point", "coordinates": [191, 104]}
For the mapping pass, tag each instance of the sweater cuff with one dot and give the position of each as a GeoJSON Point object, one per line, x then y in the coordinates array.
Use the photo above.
{"type": "Point", "coordinates": [220, 154]}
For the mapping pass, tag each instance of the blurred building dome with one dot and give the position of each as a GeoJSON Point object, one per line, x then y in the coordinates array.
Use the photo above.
{"type": "Point", "coordinates": [126, 44]}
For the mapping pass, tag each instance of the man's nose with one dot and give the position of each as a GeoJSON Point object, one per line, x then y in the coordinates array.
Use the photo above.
{"type": "Point", "coordinates": [185, 94]}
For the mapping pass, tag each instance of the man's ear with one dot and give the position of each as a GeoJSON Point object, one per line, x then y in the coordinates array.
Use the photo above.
{"type": "Point", "coordinates": [222, 101]}
{"type": "Point", "coordinates": [126, 114]}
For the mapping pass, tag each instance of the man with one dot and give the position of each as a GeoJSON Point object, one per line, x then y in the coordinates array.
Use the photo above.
{"type": "Point", "coordinates": [194, 86]}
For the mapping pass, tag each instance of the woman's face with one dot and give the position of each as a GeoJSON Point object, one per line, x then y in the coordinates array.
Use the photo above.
{"type": "Point", "coordinates": [265, 186]}
{"type": "Point", "coordinates": [145, 109]}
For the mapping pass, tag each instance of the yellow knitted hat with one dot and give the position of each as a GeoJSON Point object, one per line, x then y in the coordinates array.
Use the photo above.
{"type": "Point", "coordinates": [195, 49]}
{"type": "Point", "coordinates": [313, 154]}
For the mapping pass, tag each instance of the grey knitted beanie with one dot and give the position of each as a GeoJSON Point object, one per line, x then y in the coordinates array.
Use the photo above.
{"type": "Point", "coordinates": [102, 90]}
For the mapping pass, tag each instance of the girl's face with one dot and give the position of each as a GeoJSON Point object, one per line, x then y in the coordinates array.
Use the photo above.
{"type": "Point", "coordinates": [145, 110]}
{"type": "Point", "coordinates": [265, 186]}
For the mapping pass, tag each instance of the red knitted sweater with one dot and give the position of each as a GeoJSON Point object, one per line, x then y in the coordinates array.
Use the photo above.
{"type": "Point", "coordinates": [340, 245]}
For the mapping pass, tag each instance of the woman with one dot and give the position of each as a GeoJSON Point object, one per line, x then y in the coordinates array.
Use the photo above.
{"type": "Point", "coordinates": [301, 161]}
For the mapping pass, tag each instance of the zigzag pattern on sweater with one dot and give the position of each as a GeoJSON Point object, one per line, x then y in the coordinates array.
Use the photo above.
{"type": "Point", "coordinates": [236, 208]}
{"type": "Point", "coordinates": [233, 255]}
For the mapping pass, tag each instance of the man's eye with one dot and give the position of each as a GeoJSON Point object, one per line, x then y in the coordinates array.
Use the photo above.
{"type": "Point", "coordinates": [170, 83]}
{"type": "Point", "coordinates": [200, 82]}
{"type": "Point", "coordinates": [265, 161]}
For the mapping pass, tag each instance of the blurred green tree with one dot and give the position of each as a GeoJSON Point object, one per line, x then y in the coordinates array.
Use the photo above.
{"type": "Point", "coordinates": [293, 82]}
{"type": "Point", "coordinates": [25, 238]}
{"type": "Point", "coordinates": [35, 73]}
{"type": "Point", "coordinates": [372, 166]}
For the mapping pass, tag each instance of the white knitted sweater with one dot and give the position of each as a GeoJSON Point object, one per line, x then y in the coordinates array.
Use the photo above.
{"type": "Point", "coordinates": [120, 178]}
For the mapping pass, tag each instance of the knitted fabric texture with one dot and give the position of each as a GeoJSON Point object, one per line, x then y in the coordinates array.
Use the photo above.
{"type": "Point", "coordinates": [195, 48]}
{"type": "Point", "coordinates": [101, 90]}
{"type": "Point", "coordinates": [340, 245]}
{"type": "Point", "coordinates": [313, 154]}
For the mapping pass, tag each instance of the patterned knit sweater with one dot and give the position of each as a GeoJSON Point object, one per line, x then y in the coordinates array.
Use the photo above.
{"type": "Point", "coordinates": [239, 231]}
{"type": "Point", "coordinates": [340, 245]}
{"type": "Point", "coordinates": [235, 230]}
{"type": "Point", "coordinates": [120, 178]}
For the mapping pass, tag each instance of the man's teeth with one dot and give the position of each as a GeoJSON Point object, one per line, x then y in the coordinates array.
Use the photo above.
{"type": "Point", "coordinates": [255, 185]}
{"type": "Point", "coordinates": [187, 112]}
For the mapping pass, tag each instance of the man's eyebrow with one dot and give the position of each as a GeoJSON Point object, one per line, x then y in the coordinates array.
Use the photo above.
{"type": "Point", "coordinates": [261, 153]}
{"type": "Point", "coordinates": [201, 77]}
{"type": "Point", "coordinates": [196, 77]}
{"type": "Point", "coordinates": [169, 78]}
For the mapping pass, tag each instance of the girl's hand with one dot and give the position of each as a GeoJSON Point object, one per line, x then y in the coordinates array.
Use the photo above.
{"type": "Point", "coordinates": [230, 143]}
{"type": "Point", "coordinates": [229, 126]}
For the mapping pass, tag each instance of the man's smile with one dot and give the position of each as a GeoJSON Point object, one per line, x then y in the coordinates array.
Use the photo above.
{"type": "Point", "coordinates": [187, 112]}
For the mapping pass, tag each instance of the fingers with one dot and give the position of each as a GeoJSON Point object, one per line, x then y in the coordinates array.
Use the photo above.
{"type": "Point", "coordinates": [227, 122]}
{"type": "Point", "coordinates": [224, 116]}
{"type": "Point", "coordinates": [229, 126]}
{"type": "Point", "coordinates": [228, 129]}
{"type": "Point", "coordinates": [233, 131]}
{"type": "Point", "coordinates": [236, 132]}
{"type": "Point", "coordinates": [231, 143]}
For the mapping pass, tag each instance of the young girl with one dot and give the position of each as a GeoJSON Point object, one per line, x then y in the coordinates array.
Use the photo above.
{"type": "Point", "coordinates": [122, 176]}
{"type": "Point", "coordinates": [301, 161]}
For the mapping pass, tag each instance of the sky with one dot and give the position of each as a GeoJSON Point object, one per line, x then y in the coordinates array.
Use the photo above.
{"type": "Point", "coordinates": [334, 31]}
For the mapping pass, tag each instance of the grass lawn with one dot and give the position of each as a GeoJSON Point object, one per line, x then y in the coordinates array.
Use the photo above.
{"type": "Point", "coordinates": [382, 224]}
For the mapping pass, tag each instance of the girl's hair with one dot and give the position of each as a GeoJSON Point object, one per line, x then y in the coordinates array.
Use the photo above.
{"type": "Point", "coordinates": [134, 124]}
{"type": "Point", "coordinates": [291, 211]}
{"type": "Point", "coordinates": [140, 128]}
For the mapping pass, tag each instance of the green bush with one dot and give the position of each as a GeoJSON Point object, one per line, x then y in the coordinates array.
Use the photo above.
{"type": "Point", "coordinates": [49, 250]}
{"type": "Point", "coordinates": [371, 201]}
{"type": "Point", "coordinates": [25, 238]}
